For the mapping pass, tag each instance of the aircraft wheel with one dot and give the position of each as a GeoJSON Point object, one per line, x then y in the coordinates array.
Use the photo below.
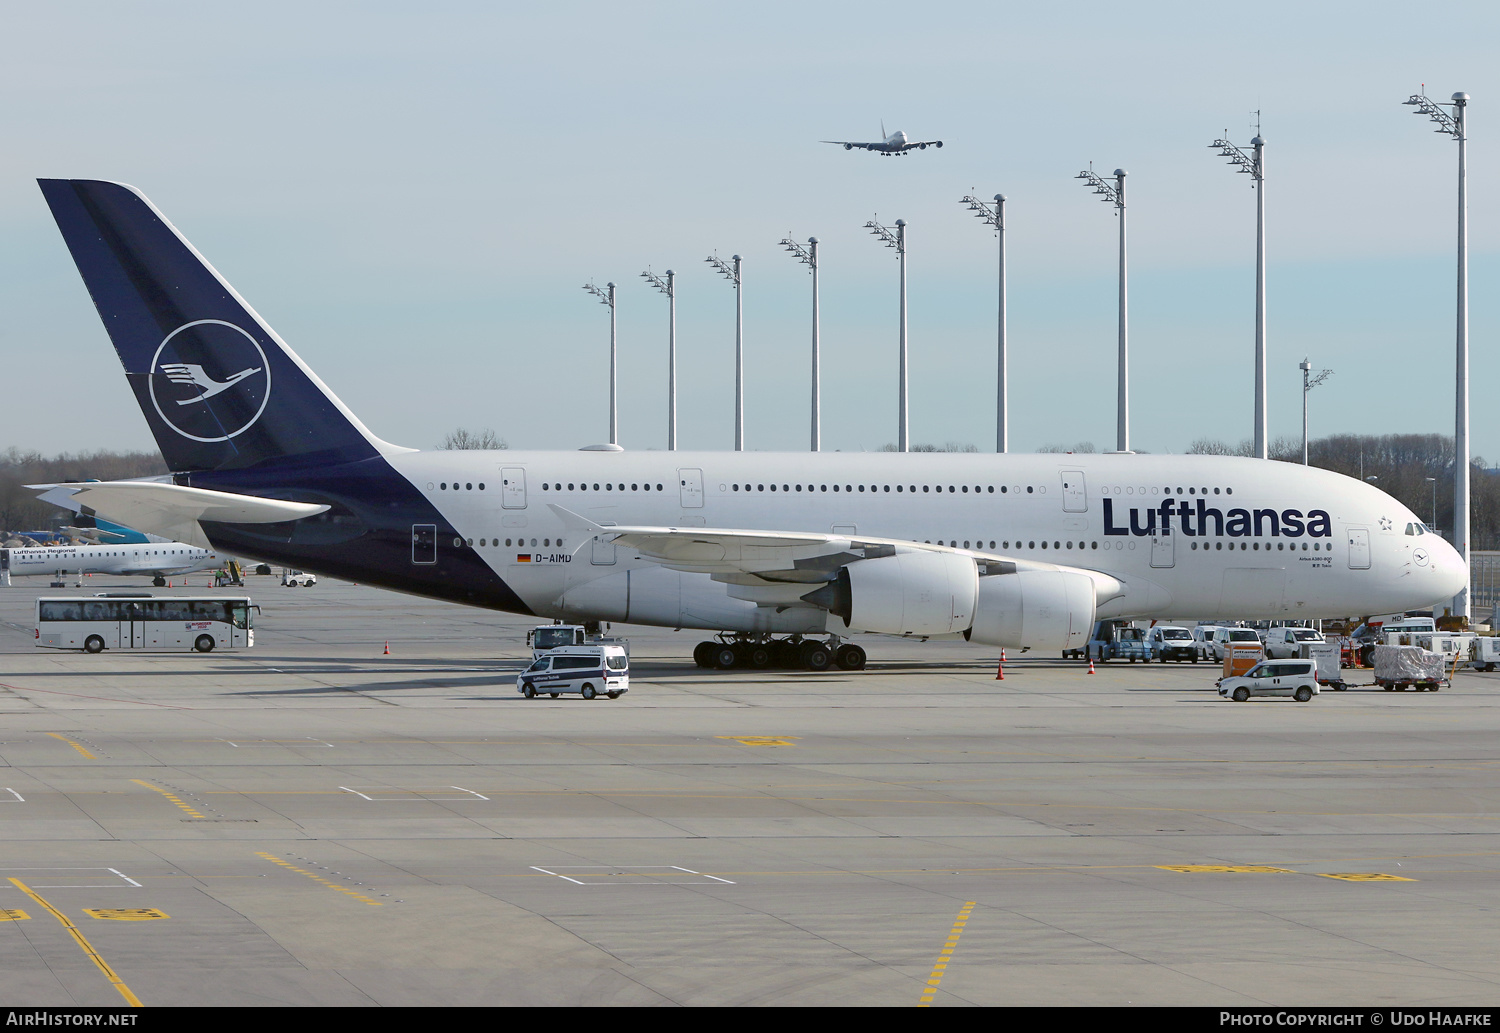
{"type": "Point", "coordinates": [758, 657]}
{"type": "Point", "coordinates": [850, 657]}
{"type": "Point", "coordinates": [159, 582]}
{"type": "Point", "coordinates": [587, 691]}
{"type": "Point", "coordinates": [784, 654]}
{"type": "Point", "coordinates": [703, 654]}
{"type": "Point", "coordinates": [205, 644]}
{"type": "Point", "coordinates": [815, 656]}
{"type": "Point", "coordinates": [725, 657]}
{"type": "Point", "coordinates": [94, 644]}
{"type": "Point", "coordinates": [528, 690]}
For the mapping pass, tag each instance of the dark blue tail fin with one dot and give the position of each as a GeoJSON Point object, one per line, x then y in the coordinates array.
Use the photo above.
{"type": "Point", "coordinates": [218, 387]}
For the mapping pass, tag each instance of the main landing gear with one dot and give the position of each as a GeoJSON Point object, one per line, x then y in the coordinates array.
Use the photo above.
{"type": "Point", "coordinates": [791, 653]}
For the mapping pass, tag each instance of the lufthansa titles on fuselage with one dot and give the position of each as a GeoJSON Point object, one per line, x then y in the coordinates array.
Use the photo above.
{"type": "Point", "coordinates": [1195, 521]}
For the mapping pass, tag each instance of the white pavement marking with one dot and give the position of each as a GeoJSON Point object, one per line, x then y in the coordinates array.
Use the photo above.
{"type": "Point", "coordinates": [613, 871]}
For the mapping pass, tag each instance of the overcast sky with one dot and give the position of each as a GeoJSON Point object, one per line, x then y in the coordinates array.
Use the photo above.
{"type": "Point", "coordinates": [413, 195]}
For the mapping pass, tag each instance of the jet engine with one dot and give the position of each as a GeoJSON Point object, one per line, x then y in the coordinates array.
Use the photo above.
{"type": "Point", "coordinates": [1039, 609]}
{"type": "Point", "coordinates": [910, 593]}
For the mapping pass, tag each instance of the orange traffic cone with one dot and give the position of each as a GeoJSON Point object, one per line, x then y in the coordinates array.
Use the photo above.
{"type": "Point", "coordinates": [387, 647]}
{"type": "Point", "coordinates": [1091, 665]}
{"type": "Point", "coordinates": [1000, 671]}
{"type": "Point", "coordinates": [1002, 654]}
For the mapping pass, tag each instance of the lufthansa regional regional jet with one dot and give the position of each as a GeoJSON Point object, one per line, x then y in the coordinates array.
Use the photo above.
{"type": "Point", "coordinates": [776, 553]}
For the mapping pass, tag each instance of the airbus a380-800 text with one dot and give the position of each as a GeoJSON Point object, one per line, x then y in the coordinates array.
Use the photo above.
{"type": "Point", "coordinates": [1007, 550]}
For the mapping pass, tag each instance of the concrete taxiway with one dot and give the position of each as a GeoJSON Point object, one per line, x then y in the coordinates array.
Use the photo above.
{"type": "Point", "coordinates": [313, 822]}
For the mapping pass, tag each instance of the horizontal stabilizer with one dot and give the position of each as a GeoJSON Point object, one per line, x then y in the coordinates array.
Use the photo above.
{"type": "Point", "coordinates": [173, 510]}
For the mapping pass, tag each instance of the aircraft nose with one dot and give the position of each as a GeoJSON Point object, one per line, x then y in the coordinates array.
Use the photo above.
{"type": "Point", "coordinates": [1449, 569]}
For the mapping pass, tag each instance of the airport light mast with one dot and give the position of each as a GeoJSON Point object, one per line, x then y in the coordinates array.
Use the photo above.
{"type": "Point", "coordinates": [897, 240]}
{"type": "Point", "coordinates": [606, 296]}
{"type": "Point", "coordinates": [1254, 165]}
{"type": "Point", "coordinates": [1115, 195]}
{"type": "Point", "coordinates": [668, 287]}
{"type": "Point", "coordinates": [1309, 381]}
{"type": "Point", "coordinates": [809, 257]}
{"type": "Point", "coordinates": [994, 215]}
{"type": "Point", "coordinates": [1454, 125]}
{"type": "Point", "coordinates": [732, 274]}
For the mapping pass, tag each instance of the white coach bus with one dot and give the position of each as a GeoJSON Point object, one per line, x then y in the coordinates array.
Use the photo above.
{"type": "Point", "coordinates": [120, 620]}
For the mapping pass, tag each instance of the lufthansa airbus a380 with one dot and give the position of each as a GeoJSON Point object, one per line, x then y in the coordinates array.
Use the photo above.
{"type": "Point", "coordinates": [1007, 550]}
{"type": "Point", "coordinates": [896, 143]}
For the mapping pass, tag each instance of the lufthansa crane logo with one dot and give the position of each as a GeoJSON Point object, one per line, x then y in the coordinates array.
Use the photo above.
{"type": "Point", "coordinates": [209, 380]}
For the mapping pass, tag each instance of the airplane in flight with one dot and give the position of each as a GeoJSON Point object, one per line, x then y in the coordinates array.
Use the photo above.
{"type": "Point", "coordinates": [157, 560]}
{"type": "Point", "coordinates": [781, 554]}
{"type": "Point", "coordinates": [896, 143]}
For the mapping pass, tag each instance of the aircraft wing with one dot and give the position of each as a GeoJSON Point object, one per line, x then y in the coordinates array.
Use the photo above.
{"type": "Point", "coordinates": [851, 143]}
{"type": "Point", "coordinates": [749, 557]}
{"type": "Point", "coordinates": [173, 510]}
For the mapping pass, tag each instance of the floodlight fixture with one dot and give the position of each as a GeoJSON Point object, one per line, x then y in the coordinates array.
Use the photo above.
{"type": "Point", "coordinates": [1253, 164]}
{"type": "Point", "coordinates": [731, 272]}
{"type": "Point", "coordinates": [1115, 194]}
{"type": "Point", "coordinates": [897, 240]}
{"type": "Point", "coordinates": [1454, 124]}
{"type": "Point", "coordinates": [808, 256]}
{"type": "Point", "coordinates": [994, 215]}
{"type": "Point", "coordinates": [668, 286]}
{"type": "Point", "coordinates": [606, 296]}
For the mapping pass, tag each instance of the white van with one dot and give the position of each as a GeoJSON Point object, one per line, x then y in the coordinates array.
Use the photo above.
{"type": "Point", "coordinates": [1226, 637]}
{"type": "Point", "coordinates": [1287, 643]}
{"type": "Point", "coordinates": [586, 670]}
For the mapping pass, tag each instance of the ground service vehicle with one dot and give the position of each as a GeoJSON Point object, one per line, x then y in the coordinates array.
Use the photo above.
{"type": "Point", "coordinates": [586, 670]}
{"type": "Point", "coordinates": [1486, 653]}
{"type": "Point", "coordinates": [1295, 678]}
{"type": "Point", "coordinates": [1116, 640]}
{"type": "Point", "coordinates": [298, 579]}
{"type": "Point", "coordinates": [546, 637]}
{"type": "Point", "coordinates": [1286, 643]}
{"type": "Point", "coordinates": [1165, 642]}
{"type": "Point", "coordinates": [1203, 641]}
{"type": "Point", "coordinates": [119, 620]}
{"type": "Point", "coordinates": [755, 547]}
{"type": "Point", "coordinates": [1224, 637]}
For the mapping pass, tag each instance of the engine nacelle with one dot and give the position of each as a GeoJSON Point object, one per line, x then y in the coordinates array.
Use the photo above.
{"type": "Point", "coordinates": [1038, 609]}
{"type": "Point", "coordinates": [910, 593]}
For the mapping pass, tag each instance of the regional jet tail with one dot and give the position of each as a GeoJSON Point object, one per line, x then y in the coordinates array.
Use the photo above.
{"type": "Point", "coordinates": [1007, 550]}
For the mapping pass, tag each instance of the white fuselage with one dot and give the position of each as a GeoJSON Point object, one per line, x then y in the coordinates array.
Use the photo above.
{"type": "Point", "coordinates": [1244, 538]}
{"type": "Point", "coordinates": [157, 559]}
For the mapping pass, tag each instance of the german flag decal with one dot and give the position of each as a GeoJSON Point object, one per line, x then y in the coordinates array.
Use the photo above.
{"type": "Point", "coordinates": [523, 557]}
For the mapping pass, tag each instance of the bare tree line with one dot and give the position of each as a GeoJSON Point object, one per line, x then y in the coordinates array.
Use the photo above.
{"type": "Point", "coordinates": [1399, 465]}
{"type": "Point", "coordinates": [19, 508]}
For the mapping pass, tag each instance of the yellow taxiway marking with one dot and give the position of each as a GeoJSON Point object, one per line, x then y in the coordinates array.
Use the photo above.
{"type": "Point", "coordinates": [10, 914]}
{"type": "Point", "coordinates": [761, 740]}
{"type": "Point", "coordinates": [73, 744]}
{"type": "Point", "coordinates": [125, 914]}
{"type": "Point", "coordinates": [88, 948]}
{"type": "Point", "coordinates": [940, 967]}
{"type": "Point", "coordinates": [186, 807]}
{"type": "Point", "coordinates": [1193, 869]}
{"type": "Point", "coordinates": [1363, 877]}
{"type": "Point", "coordinates": [317, 878]}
